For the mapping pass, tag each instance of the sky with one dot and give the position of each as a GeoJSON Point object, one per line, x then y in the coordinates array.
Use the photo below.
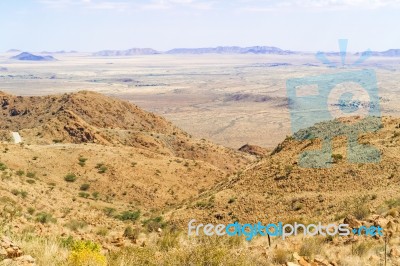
{"type": "Point", "coordinates": [300, 25]}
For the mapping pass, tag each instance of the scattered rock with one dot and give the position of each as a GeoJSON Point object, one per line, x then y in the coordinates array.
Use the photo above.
{"type": "Point", "coordinates": [12, 253]}
{"type": "Point", "coordinates": [321, 261]}
{"type": "Point", "coordinates": [382, 222]}
{"type": "Point", "coordinates": [303, 262]}
{"type": "Point", "coordinates": [352, 221]}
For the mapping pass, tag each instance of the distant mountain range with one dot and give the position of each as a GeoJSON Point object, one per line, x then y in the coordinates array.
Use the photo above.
{"type": "Point", "coordinates": [231, 50]}
{"type": "Point", "coordinates": [59, 52]}
{"type": "Point", "coordinates": [209, 50]}
{"type": "Point", "coordinates": [31, 57]}
{"type": "Point", "coordinates": [206, 50]}
{"type": "Point", "coordinates": [388, 53]}
{"type": "Point", "coordinates": [228, 50]}
{"type": "Point", "coordinates": [133, 51]}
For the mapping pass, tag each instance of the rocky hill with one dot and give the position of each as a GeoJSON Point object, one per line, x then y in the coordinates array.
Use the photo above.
{"type": "Point", "coordinates": [88, 117]}
{"type": "Point", "coordinates": [277, 186]}
{"type": "Point", "coordinates": [114, 135]}
{"type": "Point", "coordinates": [31, 57]}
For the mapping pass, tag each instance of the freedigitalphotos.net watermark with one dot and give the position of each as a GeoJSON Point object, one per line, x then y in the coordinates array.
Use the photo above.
{"type": "Point", "coordinates": [279, 229]}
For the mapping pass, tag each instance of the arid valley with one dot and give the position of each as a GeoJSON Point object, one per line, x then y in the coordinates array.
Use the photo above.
{"type": "Point", "coordinates": [119, 153]}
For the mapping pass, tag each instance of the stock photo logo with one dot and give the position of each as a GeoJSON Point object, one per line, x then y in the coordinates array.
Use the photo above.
{"type": "Point", "coordinates": [282, 230]}
{"type": "Point", "coordinates": [319, 106]}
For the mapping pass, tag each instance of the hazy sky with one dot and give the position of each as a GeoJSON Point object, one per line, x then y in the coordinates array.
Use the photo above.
{"type": "Point", "coordinates": [91, 25]}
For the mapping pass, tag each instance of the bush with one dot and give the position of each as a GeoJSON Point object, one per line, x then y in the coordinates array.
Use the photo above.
{"type": "Point", "coordinates": [129, 216]}
{"type": "Point", "coordinates": [86, 253]}
{"type": "Point", "coordinates": [31, 210]}
{"type": "Point", "coordinates": [361, 212]}
{"type": "Point", "coordinates": [2, 166]}
{"type": "Point", "coordinates": [84, 187]}
{"type": "Point", "coordinates": [70, 177]}
{"type": "Point", "coordinates": [84, 194]}
{"type": "Point", "coordinates": [95, 195]}
{"type": "Point", "coordinates": [131, 233]}
{"type": "Point", "coordinates": [102, 231]}
{"type": "Point", "coordinates": [337, 157]}
{"type": "Point", "coordinates": [168, 240]}
{"type": "Point", "coordinates": [362, 248]}
{"type": "Point", "coordinates": [101, 168]}
{"type": "Point", "coordinates": [109, 211]}
{"type": "Point", "coordinates": [392, 203]}
{"type": "Point", "coordinates": [44, 217]}
{"type": "Point", "coordinates": [31, 174]}
{"type": "Point", "coordinates": [17, 192]}
{"type": "Point", "coordinates": [153, 224]}
{"type": "Point", "coordinates": [23, 194]}
{"type": "Point", "coordinates": [20, 173]}
{"type": "Point", "coordinates": [310, 247]}
{"type": "Point", "coordinates": [281, 256]}
{"type": "Point", "coordinates": [82, 161]}
{"type": "Point", "coordinates": [75, 225]}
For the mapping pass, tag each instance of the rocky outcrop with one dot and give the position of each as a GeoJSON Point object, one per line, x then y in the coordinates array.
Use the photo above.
{"type": "Point", "coordinates": [11, 253]}
{"type": "Point", "coordinates": [254, 150]}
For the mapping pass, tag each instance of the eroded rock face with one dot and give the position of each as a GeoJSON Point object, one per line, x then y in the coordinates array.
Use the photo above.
{"type": "Point", "coordinates": [11, 253]}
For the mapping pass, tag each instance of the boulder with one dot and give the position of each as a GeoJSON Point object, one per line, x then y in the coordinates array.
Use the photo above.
{"type": "Point", "coordinates": [352, 221]}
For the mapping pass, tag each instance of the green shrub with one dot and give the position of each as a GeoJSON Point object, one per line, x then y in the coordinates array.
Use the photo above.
{"type": "Point", "coordinates": [169, 239]}
{"type": "Point", "coordinates": [337, 157]}
{"type": "Point", "coordinates": [154, 223]}
{"type": "Point", "coordinates": [23, 194]}
{"type": "Point", "coordinates": [84, 194]}
{"type": "Point", "coordinates": [70, 177]}
{"type": "Point", "coordinates": [17, 192]}
{"type": "Point", "coordinates": [82, 161]}
{"type": "Point", "coordinates": [20, 173]}
{"type": "Point", "coordinates": [31, 210]}
{"type": "Point", "coordinates": [131, 233]}
{"type": "Point", "coordinates": [109, 211]}
{"type": "Point", "coordinates": [393, 203]}
{"type": "Point", "coordinates": [129, 216]}
{"type": "Point", "coordinates": [31, 174]}
{"type": "Point", "coordinates": [44, 218]}
{"type": "Point", "coordinates": [101, 168]}
{"type": "Point", "coordinates": [84, 187]}
{"type": "Point", "coordinates": [75, 225]}
{"type": "Point", "coordinates": [102, 231]}
{"type": "Point", "coordinates": [2, 166]}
